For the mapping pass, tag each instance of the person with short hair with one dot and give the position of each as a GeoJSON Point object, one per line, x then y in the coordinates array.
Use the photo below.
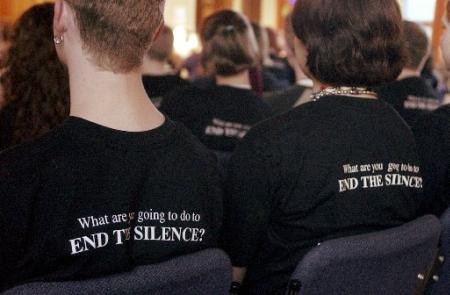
{"type": "Point", "coordinates": [117, 184]}
{"type": "Point", "coordinates": [342, 164]}
{"type": "Point", "coordinates": [159, 76]}
{"type": "Point", "coordinates": [411, 95]}
{"type": "Point", "coordinates": [432, 133]}
{"type": "Point", "coordinates": [220, 115]}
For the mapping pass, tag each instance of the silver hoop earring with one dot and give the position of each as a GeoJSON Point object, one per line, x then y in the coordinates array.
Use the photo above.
{"type": "Point", "coordinates": [58, 40]}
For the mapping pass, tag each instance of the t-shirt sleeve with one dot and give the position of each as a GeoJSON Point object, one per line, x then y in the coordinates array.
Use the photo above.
{"type": "Point", "coordinates": [432, 135]}
{"type": "Point", "coordinates": [247, 203]}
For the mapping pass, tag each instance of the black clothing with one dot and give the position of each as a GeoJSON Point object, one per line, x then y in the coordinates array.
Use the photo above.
{"type": "Point", "coordinates": [270, 80]}
{"type": "Point", "coordinates": [411, 97]}
{"type": "Point", "coordinates": [285, 100]}
{"type": "Point", "coordinates": [86, 200]}
{"type": "Point", "coordinates": [158, 86]}
{"type": "Point", "coordinates": [7, 117]}
{"type": "Point", "coordinates": [219, 116]}
{"type": "Point", "coordinates": [433, 140]}
{"type": "Point", "coordinates": [336, 167]}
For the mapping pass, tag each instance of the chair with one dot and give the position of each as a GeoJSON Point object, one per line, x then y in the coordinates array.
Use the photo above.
{"type": "Point", "coordinates": [442, 286]}
{"type": "Point", "coordinates": [203, 273]}
{"type": "Point", "coordinates": [390, 262]}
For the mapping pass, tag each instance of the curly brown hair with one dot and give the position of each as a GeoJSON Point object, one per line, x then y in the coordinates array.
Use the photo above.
{"type": "Point", "coordinates": [36, 83]}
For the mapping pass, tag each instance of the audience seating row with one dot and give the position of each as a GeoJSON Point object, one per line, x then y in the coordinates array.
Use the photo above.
{"type": "Point", "coordinates": [395, 261]}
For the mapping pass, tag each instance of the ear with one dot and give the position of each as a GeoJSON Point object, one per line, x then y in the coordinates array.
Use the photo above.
{"type": "Point", "coordinates": [59, 27]}
{"type": "Point", "coordinates": [159, 30]}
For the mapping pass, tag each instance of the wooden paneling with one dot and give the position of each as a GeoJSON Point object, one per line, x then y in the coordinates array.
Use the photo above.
{"type": "Point", "coordinates": [10, 10]}
{"type": "Point", "coordinates": [207, 7]}
{"type": "Point", "coordinates": [438, 29]}
{"type": "Point", "coordinates": [252, 8]}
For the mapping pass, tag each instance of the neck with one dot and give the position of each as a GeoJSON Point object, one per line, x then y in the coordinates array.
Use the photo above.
{"type": "Point", "coordinates": [241, 79]}
{"type": "Point", "coordinates": [153, 67]}
{"type": "Point", "coordinates": [408, 73]}
{"type": "Point", "coordinates": [117, 101]}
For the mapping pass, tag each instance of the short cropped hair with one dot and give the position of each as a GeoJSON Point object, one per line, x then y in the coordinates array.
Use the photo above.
{"type": "Point", "coordinates": [229, 45]}
{"type": "Point", "coordinates": [417, 45]}
{"type": "Point", "coordinates": [117, 34]}
{"type": "Point", "coordinates": [351, 42]}
{"type": "Point", "coordinates": [162, 47]}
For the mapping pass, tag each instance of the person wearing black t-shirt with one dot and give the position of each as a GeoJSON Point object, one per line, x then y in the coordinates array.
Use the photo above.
{"type": "Point", "coordinates": [159, 77]}
{"type": "Point", "coordinates": [433, 139]}
{"type": "Point", "coordinates": [411, 95]}
{"type": "Point", "coordinates": [221, 114]}
{"type": "Point", "coordinates": [117, 184]}
{"type": "Point", "coordinates": [343, 164]}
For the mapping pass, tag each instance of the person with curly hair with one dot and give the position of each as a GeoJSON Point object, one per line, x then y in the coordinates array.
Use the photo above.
{"type": "Point", "coordinates": [5, 43]}
{"type": "Point", "coordinates": [36, 86]}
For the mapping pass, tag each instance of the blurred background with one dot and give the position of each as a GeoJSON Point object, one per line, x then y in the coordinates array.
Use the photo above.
{"type": "Point", "coordinates": [184, 16]}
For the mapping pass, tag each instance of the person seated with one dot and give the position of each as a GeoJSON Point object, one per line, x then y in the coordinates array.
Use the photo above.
{"type": "Point", "coordinates": [277, 52]}
{"type": "Point", "coordinates": [284, 100]}
{"type": "Point", "coordinates": [221, 114]}
{"type": "Point", "coordinates": [342, 164]}
{"type": "Point", "coordinates": [267, 67]}
{"type": "Point", "coordinates": [117, 184]}
{"type": "Point", "coordinates": [432, 133]}
{"type": "Point", "coordinates": [36, 84]}
{"type": "Point", "coordinates": [159, 77]}
{"type": "Point", "coordinates": [411, 95]}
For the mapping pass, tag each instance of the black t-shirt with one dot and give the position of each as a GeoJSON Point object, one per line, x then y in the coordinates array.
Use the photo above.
{"type": "Point", "coordinates": [158, 86]}
{"type": "Point", "coordinates": [218, 115]}
{"type": "Point", "coordinates": [336, 167]}
{"type": "Point", "coordinates": [411, 97]}
{"type": "Point", "coordinates": [7, 117]}
{"type": "Point", "coordinates": [433, 140]}
{"type": "Point", "coordinates": [283, 101]}
{"type": "Point", "coordinates": [86, 200]}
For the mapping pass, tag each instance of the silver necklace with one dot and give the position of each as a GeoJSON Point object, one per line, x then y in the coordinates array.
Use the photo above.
{"type": "Point", "coordinates": [342, 91]}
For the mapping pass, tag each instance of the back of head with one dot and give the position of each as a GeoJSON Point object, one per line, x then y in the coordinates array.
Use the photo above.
{"type": "Point", "coordinates": [229, 45]}
{"type": "Point", "coordinates": [117, 34]}
{"type": "Point", "coordinates": [417, 45]}
{"type": "Point", "coordinates": [162, 47]}
{"type": "Point", "coordinates": [35, 81]}
{"type": "Point", "coordinates": [351, 42]}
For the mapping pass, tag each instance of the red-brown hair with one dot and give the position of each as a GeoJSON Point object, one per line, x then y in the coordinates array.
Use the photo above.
{"type": "Point", "coordinates": [351, 42]}
{"type": "Point", "coordinates": [36, 83]}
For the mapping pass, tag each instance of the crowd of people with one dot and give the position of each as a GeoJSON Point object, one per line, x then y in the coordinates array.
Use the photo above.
{"type": "Point", "coordinates": [111, 158]}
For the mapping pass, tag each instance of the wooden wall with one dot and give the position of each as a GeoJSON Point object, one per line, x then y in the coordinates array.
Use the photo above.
{"type": "Point", "coordinates": [10, 10]}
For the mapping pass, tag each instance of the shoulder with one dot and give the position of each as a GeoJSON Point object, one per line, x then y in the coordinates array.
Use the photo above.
{"type": "Point", "coordinates": [192, 150]}
{"type": "Point", "coordinates": [21, 166]}
{"type": "Point", "coordinates": [282, 126]}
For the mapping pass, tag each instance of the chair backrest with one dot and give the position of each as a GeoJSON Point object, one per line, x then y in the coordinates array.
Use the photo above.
{"type": "Point", "coordinates": [204, 273]}
{"type": "Point", "coordinates": [389, 262]}
{"type": "Point", "coordinates": [442, 286]}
